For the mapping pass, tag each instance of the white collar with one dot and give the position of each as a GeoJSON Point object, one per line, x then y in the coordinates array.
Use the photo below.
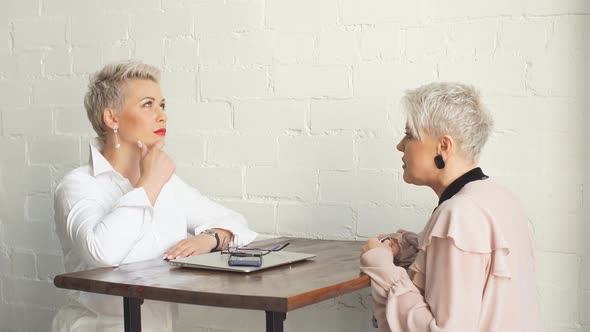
{"type": "Point", "coordinates": [99, 163]}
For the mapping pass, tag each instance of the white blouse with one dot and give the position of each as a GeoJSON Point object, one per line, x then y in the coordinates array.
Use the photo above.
{"type": "Point", "coordinates": [102, 221]}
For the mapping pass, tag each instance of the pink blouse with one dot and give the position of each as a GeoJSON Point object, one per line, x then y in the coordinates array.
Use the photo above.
{"type": "Point", "coordinates": [474, 269]}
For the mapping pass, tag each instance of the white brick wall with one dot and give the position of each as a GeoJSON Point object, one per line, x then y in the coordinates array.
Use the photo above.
{"type": "Point", "coordinates": [373, 220]}
{"type": "Point", "coordinates": [380, 11]}
{"type": "Point", "coordinates": [215, 181]}
{"type": "Point", "coordinates": [269, 117]}
{"type": "Point", "coordinates": [303, 220]}
{"type": "Point", "coordinates": [508, 73]}
{"type": "Point", "coordinates": [83, 25]}
{"type": "Point", "coordinates": [23, 265]}
{"type": "Point", "coordinates": [358, 114]}
{"type": "Point", "coordinates": [17, 121]}
{"type": "Point", "coordinates": [237, 150]}
{"type": "Point", "coordinates": [186, 150]}
{"type": "Point", "coordinates": [463, 42]}
{"type": "Point", "coordinates": [54, 150]}
{"type": "Point", "coordinates": [261, 215]}
{"type": "Point", "coordinates": [584, 299]}
{"type": "Point", "coordinates": [182, 85]}
{"type": "Point", "coordinates": [15, 92]}
{"type": "Point", "coordinates": [360, 186]}
{"type": "Point", "coordinates": [300, 184]}
{"type": "Point", "coordinates": [188, 119]}
{"type": "Point", "coordinates": [316, 152]}
{"type": "Point", "coordinates": [380, 42]}
{"type": "Point", "coordinates": [288, 112]}
{"type": "Point", "coordinates": [59, 91]}
{"type": "Point", "coordinates": [286, 15]}
{"type": "Point", "coordinates": [304, 81]}
{"type": "Point", "coordinates": [294, 47]}
{"type": "Point", "coordinates": [243, 49]}
{"type": "Point", "coordinates": [213, 17]}
{"type": "Point", "coordinates": [39, 33]}
{"type": "Point", "coordinates": [377, 79]}
{"type": "Point", "coordinates": [20, 9]}
{"type": "Point", "coordinates": [337, 46]}
{"type": "Point", "coordinates": [372, 153]}
{"type": "Point", "coordinates": [240, 83]}
{"type": "Point", "coordinates": [71, 120]}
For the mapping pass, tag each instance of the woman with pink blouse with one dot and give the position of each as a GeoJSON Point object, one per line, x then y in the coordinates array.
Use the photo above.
{"type": "Point", "coordinates": [472, 268]}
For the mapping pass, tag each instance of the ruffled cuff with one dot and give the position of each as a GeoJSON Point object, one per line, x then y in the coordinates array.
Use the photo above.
{"type": "Point", "coordinates": [378, 264]}
{"type": "Point", "coordinates": [377, 257]}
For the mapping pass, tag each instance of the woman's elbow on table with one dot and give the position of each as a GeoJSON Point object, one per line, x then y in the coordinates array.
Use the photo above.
{"type": "Point", "coordinates": [97, 254]}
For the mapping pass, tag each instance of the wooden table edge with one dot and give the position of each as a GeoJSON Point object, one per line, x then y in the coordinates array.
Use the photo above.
{"type": "Point", "coordinates": [278, 304]}
{"type": "Point", "coordinates": [329, 292]}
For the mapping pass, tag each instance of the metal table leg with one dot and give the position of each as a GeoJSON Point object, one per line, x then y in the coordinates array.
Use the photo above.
{"type": "Point", "coordinates": [132, 312]}
{"type": "Point", "coordinates": [274, 321]}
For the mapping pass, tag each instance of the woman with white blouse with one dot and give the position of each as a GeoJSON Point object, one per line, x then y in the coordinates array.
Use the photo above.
{"type": "Point", "coordinates": [127, 205]}
{"type": "Point", "coordinates": [472, 267]}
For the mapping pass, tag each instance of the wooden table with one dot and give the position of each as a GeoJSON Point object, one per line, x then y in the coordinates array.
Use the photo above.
{"type": "Point", "coordinates": [334, 272]}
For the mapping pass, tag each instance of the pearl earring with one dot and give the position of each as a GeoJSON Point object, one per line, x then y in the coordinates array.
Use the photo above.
{"type": "Point", "coordinates": [117, 145]}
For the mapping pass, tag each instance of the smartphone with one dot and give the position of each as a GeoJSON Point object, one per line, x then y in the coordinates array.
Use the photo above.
{"type": "Point", "coordinates": [255, 261]}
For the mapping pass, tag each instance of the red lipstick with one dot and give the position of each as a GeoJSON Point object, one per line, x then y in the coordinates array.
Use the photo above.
{"type": "Point", "coordinates": [161, 132]}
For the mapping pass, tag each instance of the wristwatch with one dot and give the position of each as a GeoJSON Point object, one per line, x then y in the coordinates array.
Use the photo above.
{"type": "Point", "coordinates": [213, 233]}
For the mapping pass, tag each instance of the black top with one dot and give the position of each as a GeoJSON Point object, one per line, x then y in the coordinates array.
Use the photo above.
{"type": "Point", "coordinates": [473, 175]}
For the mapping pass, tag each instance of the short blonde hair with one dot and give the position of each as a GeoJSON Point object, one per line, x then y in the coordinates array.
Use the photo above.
{"type": "Point", "coordinates": [106, 89]}
{"type": "Point", "coordinates": [453, 109]}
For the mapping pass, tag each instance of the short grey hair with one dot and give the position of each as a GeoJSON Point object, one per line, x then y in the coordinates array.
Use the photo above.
{"type": "Point", "coordinates": [106, 89]}
{"type": "Point", "coordinates": [453, 109]}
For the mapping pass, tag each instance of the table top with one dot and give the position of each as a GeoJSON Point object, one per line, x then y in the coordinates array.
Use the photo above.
{"type": "Point", "coordinates": [335, 271]}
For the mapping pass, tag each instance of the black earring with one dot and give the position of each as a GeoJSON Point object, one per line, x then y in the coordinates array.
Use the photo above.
{"type": "Point", "coordinates": [439, 162]}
